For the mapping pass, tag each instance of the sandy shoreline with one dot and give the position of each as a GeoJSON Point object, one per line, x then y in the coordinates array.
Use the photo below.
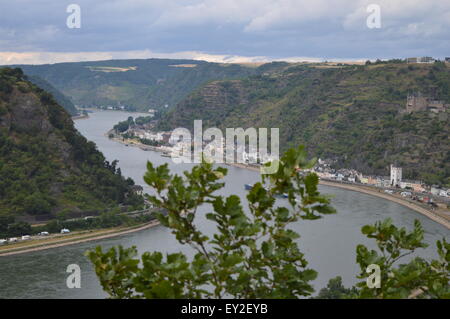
{"type": "Point", "coordinates": [78, 239]}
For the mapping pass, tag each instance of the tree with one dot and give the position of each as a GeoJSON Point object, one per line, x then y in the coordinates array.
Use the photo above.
{"type": "Point", "coordinates": [335, 290]}
{"type": "Point", "coordinates": [418, 278]}
{"type": "Point", "coordinates": [37, 204]}
{"type": "Point", "coordinates": [19, 229]}
{"type": "Point", "coordinates": [5, 221]}
{"type": "Point", "coordinates": [254, 254]}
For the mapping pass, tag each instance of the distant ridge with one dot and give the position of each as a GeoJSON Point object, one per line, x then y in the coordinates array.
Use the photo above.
{"type": "Point", "coordinates": [138, 84]}
{"type": "Point", "coordinates": [353, 114]}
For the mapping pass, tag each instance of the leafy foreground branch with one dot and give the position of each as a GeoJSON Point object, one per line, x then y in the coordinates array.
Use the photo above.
{"type": "Point", "coordinates": [253, 253]}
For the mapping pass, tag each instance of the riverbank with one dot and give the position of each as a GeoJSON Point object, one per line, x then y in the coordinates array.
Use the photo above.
{"type": "Point", "coordinates": [71, 239]}
{"type": "Point", "coordinates": [131, 142]}
{"type": "Point", "coordinates": [441, 217]}
{"type": "Point", "coordinates": [80, 117]}
{"type": "Point", "coordinates": [437, 216]}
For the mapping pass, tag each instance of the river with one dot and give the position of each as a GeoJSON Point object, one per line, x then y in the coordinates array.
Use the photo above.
{"type": "Point", "coordinates": [329, 243]}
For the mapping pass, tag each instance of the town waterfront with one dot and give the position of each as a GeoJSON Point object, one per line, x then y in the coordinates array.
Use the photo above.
{"type": "Point", "coordinates": [329, 244]}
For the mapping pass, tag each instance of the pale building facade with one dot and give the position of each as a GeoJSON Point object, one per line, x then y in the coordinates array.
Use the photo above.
{"type": "Point", "coordinates": [396, 176]}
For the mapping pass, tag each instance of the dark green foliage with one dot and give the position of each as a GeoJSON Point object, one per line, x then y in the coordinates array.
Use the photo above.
{"type": "Point", "coordinates": [391, 61]}
{"type": "Point", "coordinates": [251, 256]}
{"type": "Point", "coordinates": [124, 125]}
{"type": "Point", "coordinates": [153, 84]}
{"type": "Point", "coordinates": [105, 220]}
{"type": "Point", "coordinates": [9, 228]}
{"type": "Point", "coordinates": [141, 120]}
{"type": "Point", "coordinates": [419, 277]}
{"type": "Point", "coordinates": [255, 254]}
{"type": "Point", "coordinates": [348, 113]}
{"type": "Point", "coordinates": [46, 165]}
{"type": "Point", "coordinates": [60, 98]}
{"type": "Point", "coordinates": [37, 204]}
{"type": "Point", "coordinates": [335, 290]}
{"type": "Point", "coordinates": [5, 221]}
{"type": "Point", "coordinates": [8, 77]}
{"type": "Point", "coordinates": [19, 229]}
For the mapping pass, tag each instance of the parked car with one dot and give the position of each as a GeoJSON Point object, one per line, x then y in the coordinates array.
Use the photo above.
{"type": "Point", "coordinates": [405, 194]}
{"type": "Point", "coordinates": [388, 191]}
{"type": "Point", "coordinates": [26, 237]}
{"type": "Point", "coordinates": [3, 241]}
{"type": "Point", "coordinates": [65, 231]}
{"type": "Point", "coordinates": [12, 239]}
{"type": "Point", "coordinates": [443, 193]}
{"type": "Point", "coordinates": [43, 233]}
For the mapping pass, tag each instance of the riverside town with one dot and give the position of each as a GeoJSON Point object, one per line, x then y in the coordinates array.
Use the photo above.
{"type": "Point", "coordinates": [225, 159]}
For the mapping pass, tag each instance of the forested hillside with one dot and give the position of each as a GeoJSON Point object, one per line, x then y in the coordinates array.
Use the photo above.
{"type": "Point", "coordinates": [60, 98]}
{"type": "Point", "coordinates": [47, 168]}
{"type": "Point", "coordinates": [353, 114]}
{"type": "Point", "coordinates": [138, 84]}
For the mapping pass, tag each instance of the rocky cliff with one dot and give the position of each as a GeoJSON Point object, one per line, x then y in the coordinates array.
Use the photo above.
{"type": "Point", "coordinates": [47, 168]}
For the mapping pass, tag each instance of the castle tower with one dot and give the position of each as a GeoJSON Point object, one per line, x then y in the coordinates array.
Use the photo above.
{"type": "Point", "coordinates": [396, 175]}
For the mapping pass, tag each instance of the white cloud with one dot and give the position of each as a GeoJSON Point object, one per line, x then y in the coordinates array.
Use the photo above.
{"type": "Point", "coordinates": [404, 17]}
{"type": "Point", "coordinates": [245, 28]}
{"type": "Point", "coordinates": [285, 13]}
{"type": "Point", "coordinates": [252, 15]}
{"type": "Point", "coordinates": [8, 58]}
{"type": "Point", "coordinates": [195, 13]}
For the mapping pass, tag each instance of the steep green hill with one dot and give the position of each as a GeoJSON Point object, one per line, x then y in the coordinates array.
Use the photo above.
{"type": "Point", "coordinates": [350, 113]}
{"type": "Point", "coordinates": [139, 84]}
{"type": "Point", "coordinates": [60, 98]}
{"type": "Point", "coordinates": [46, 166]}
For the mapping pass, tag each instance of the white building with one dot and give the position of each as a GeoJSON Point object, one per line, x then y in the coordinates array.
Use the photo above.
{"type": "Point", "coordinates": [150, 136]}
{"type": "Point", "coordinates": [250, 157]}
{"type": "Point", "coordinates": [396, 176]}
{"type": "Point", "coordinates": [439, 192]}
{"type": "Point", "coordinates": [421, 59]}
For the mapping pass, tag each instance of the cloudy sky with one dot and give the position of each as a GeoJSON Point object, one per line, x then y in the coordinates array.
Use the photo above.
{"type": "Point", "coordinates": [35, 31]}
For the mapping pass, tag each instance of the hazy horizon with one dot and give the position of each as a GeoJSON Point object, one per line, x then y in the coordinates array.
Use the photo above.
{"type": "Point", "coordinates": [38, 32]}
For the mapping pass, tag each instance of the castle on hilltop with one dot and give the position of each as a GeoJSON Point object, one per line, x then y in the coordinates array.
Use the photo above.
{"type": "Point", "coordinates": [417, 102]}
